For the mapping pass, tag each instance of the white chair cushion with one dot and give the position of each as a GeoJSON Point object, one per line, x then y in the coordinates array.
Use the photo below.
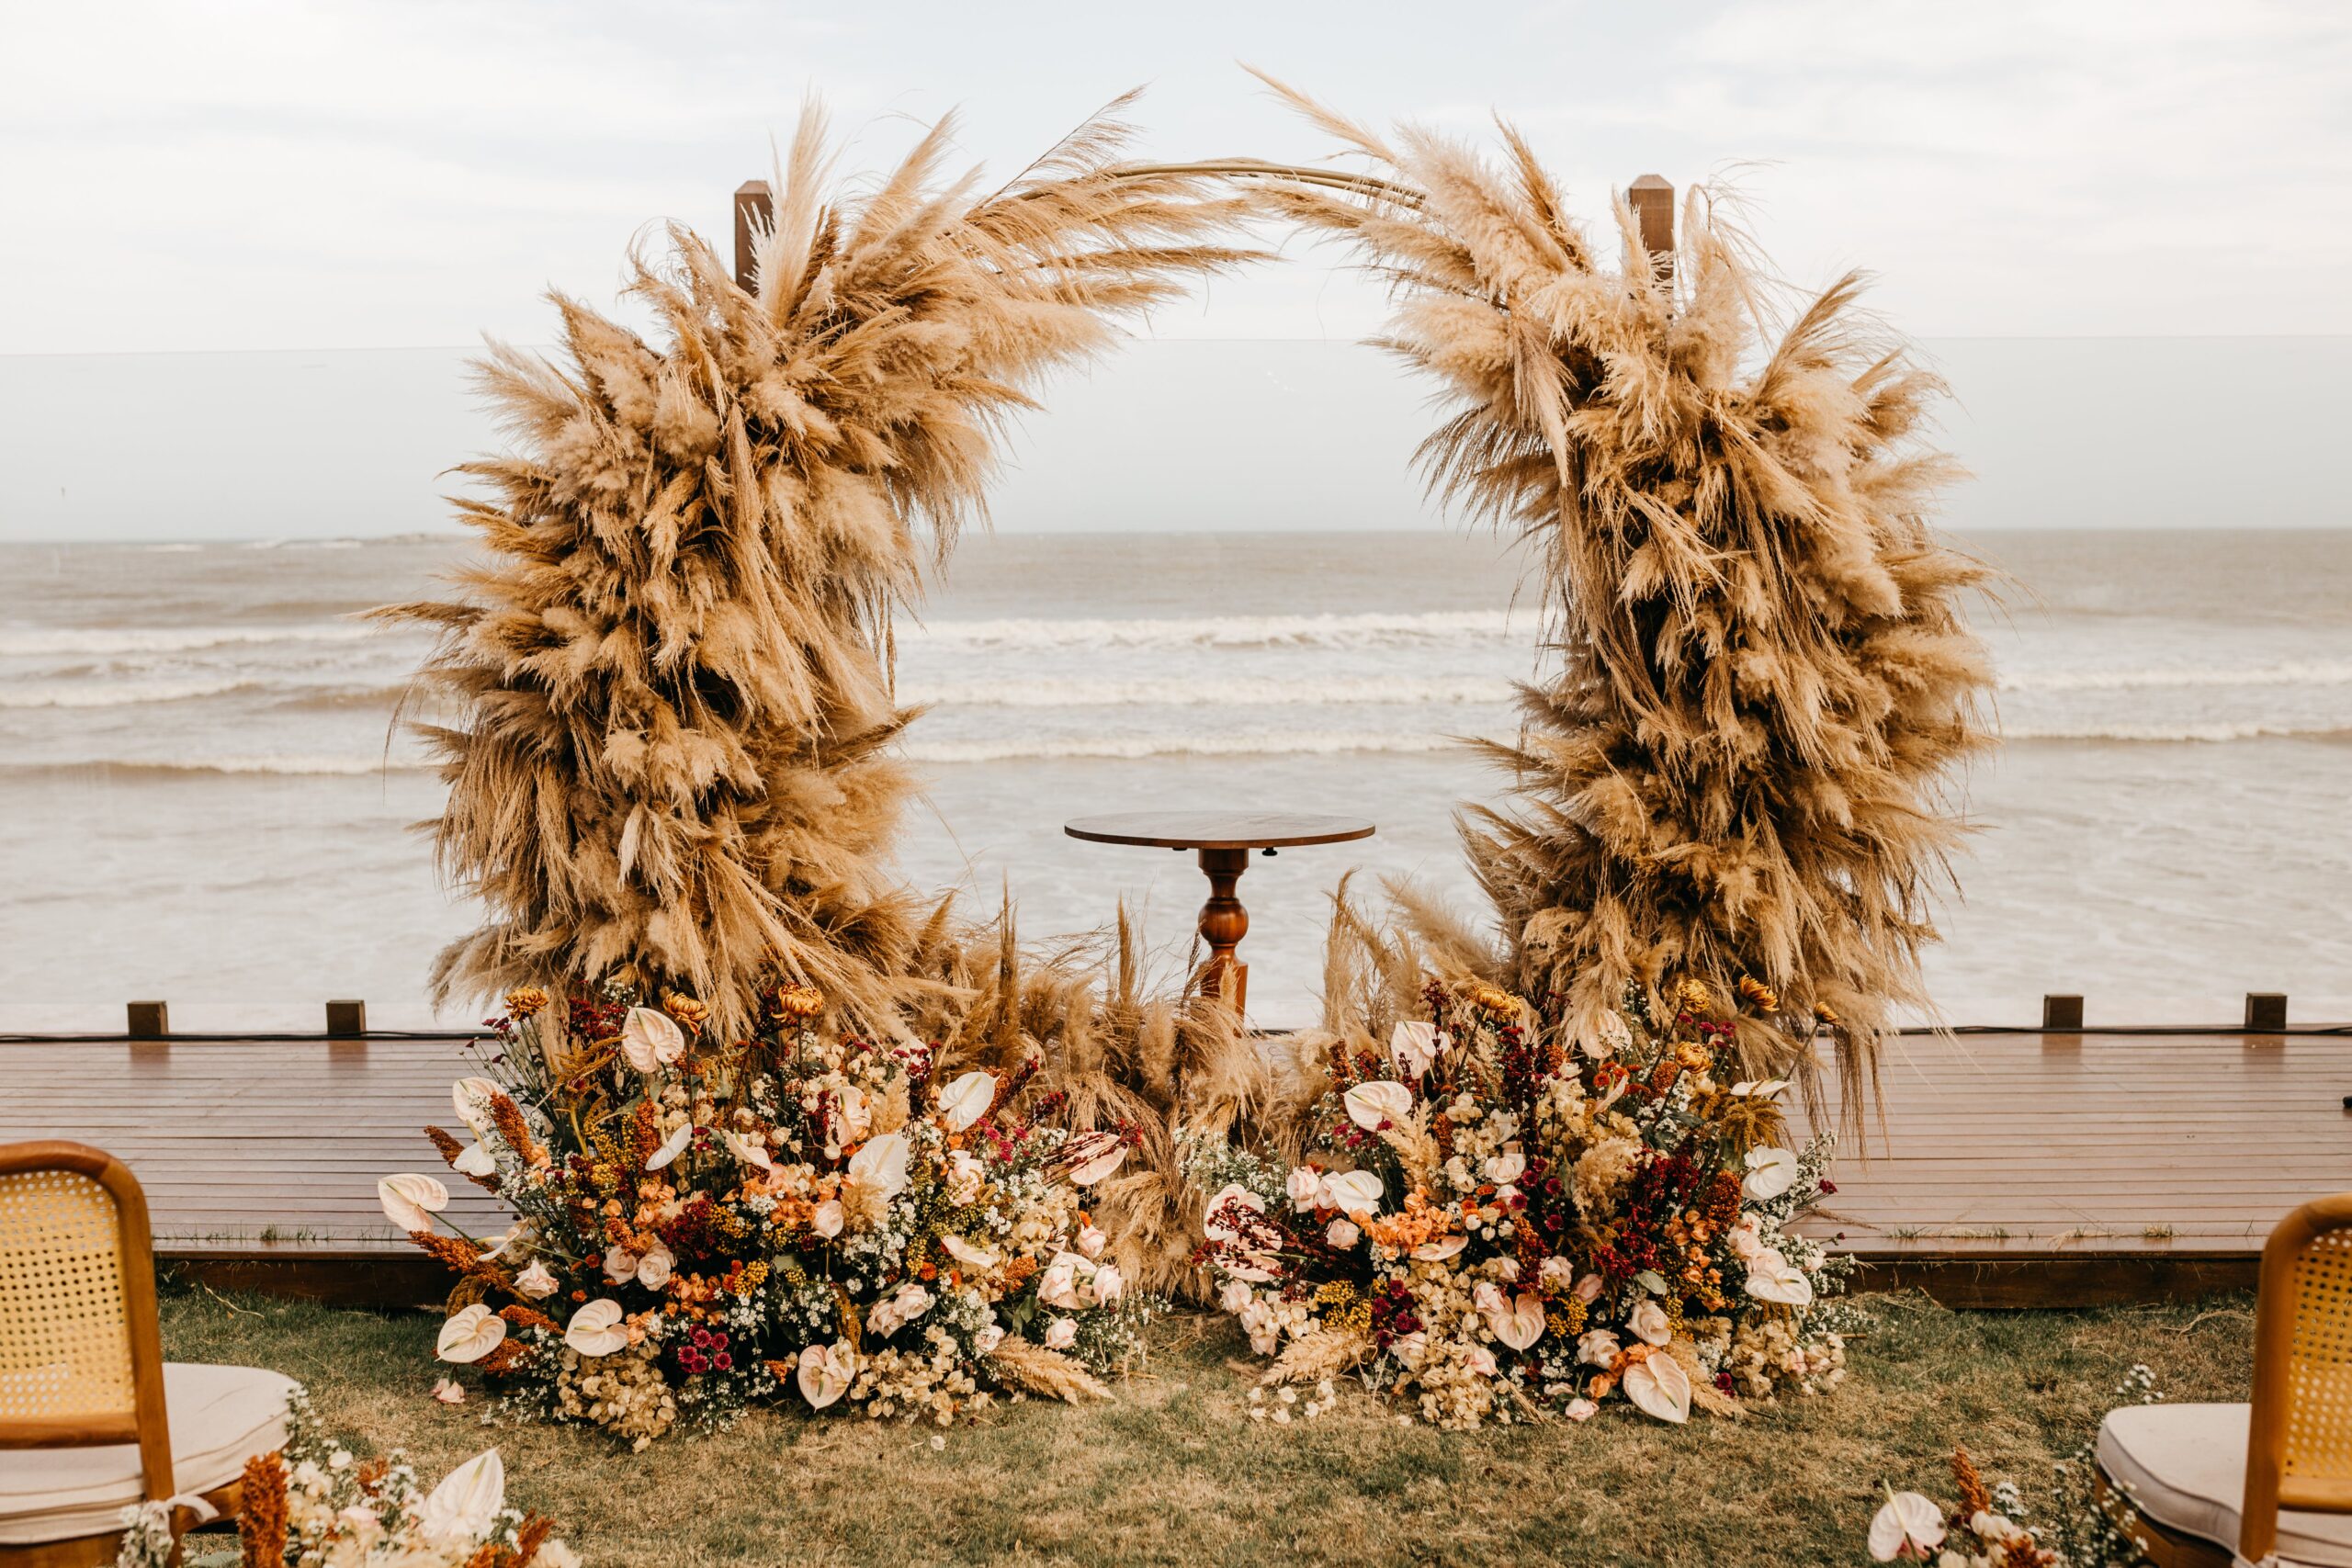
{"type": "Point", "coordinates": [2184, 1467]}
{"type": "Point", "coordinates": [221, 1417]}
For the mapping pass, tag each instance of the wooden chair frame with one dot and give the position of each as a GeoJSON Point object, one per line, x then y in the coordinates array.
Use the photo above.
{"type": "Point", "coordinates": [2269, 1486]}
{"type": "Point", "coordinates": [148, 1423]}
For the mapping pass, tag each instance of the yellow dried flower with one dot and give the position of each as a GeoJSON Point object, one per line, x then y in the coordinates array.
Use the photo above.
{"type": "Point", "coordinates": [1765, 999]}
{"type": "Point", "coordinates": [1499, 1003]}
{"type": "Point", "coordinates": [799, 1001]}
{"type": "Point", "coordinates": [686, 1008]}
{"type": "Point", "coordinates": [1824, 1014]}
{"type": "Point", "coordinates": [524, 1000]}
{"type": "Point", "coordinates": [1694, 996]}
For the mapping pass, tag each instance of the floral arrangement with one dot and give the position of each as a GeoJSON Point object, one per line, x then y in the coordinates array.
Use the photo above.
{"type": "Point", "coordinates": [2085, 1524]}
{"type": "Point", "coordinates": [701, 1224]}
{"type": "Point", "coordinates": [1497, 1221]}
{"type": "Point", "coordinates": [313, 1504]}
{"type": "Point", "coordinates": [1983, 1532]}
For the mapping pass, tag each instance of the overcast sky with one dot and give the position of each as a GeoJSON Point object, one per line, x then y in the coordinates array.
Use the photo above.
{"type": "Point", "coordinates": [181, 175]}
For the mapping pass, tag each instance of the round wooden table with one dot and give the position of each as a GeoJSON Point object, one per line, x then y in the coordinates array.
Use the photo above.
{"type": "Point", "coordinates": [1224, 840]}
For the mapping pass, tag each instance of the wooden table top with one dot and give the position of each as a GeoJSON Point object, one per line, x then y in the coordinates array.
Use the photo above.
{"type": "Point", "coordinates": [1218, 829]}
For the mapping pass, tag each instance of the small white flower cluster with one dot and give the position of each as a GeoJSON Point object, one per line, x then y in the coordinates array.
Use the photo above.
{"type": "Point", "coordinates": [1281, 1408]}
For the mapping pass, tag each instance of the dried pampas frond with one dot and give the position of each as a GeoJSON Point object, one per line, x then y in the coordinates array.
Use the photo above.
{"type": "Point", "coordinates": [675, 761]}
{"type": "Point", "coordinates": [1027, 1367]}
{"type": "Point", "coordinates": [1741, 764]}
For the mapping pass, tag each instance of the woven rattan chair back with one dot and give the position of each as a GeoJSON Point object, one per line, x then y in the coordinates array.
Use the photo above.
{"type": "Point", "coordinates": [2299, 1441]}
{"type": "Point", "coordinates": [80, 1359]}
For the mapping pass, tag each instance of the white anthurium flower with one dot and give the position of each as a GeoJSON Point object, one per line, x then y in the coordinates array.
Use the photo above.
{"type": "Point", "coordinates": [1100, 1154]}
{"type": "Point", "coordinates": [1413, 1047]}
{"type": "Point", "coordinates": [1908, 1525]}
{"type": "Point", "coordinates": [825, 1372]}
{"type": "Point", "coordinates": [471, 1334]}
{"type": "Point", "coordinates": [671, 1148]}
{"type": "Point", "coordinates": [651, 1040]}
{"type": "Point", "coordinates": [1658, 1386]}
{"type": "Point", "coordinates": [1518, 1323]}
{"type": "Point", "coordinates": [653, 1269]}
{"type": "Point", "coordinates": [880, 1164]}
{"type": "Point", "coordinates": [1352, 1192]}
{"type": "Point", "coordinates": [963, 1252]}
{"type": "Point", "coordinates": [476, 1161]}
{"type": "Point", "coordinates": [535, 1284]}
{"type": "Point", "coordinates": [967, 1099]}
{"type": "Point", "coordinates": [492, 1246]}
{"type": "Point", "coordinates": [1772, 1277]}
{"type": "Point", "coordinates": [1771, 1172]}
{"type": "Point", "coordinates": [1610, 1035]}
{"type": "Point", "coordinates": [853, 1112]}
{"type": "Point", "coordinates": [1506, 1167]}
{"type": "Point", "coordinates": [826, 1220]}
{"type": "Point", "coordinates": [1649, 1322]}
{"type": "Point", "coordinates": [1375, 1105]}
{"type": "Point", "coordinates": [749, 1147]}
{"type": "Point", "coordinates": [467, 1503]}
{"type": "Point", "coordinates": [1763, 1089]}
{"type": "Point", "coordinates": [411, 1201]}
{"type": "Point", "coordinates": [1305, 1185]}
{"type": "Point", "coordinates": [595, 1329]}
{"type": "Point", "coordinates": [1597, 1348]}
{"type": "Point", "coordinates": [620, 1265]}
{"type": "Point", "coordinates": [1231, 1192]}
{"type": "Point", "coordinates": [1437, 1251]}
{"type": "Point", "coordinates": [470, 1098]}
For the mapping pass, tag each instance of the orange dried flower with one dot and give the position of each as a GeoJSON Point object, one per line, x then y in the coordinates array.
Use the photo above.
{"type": "Point", "coordinates": [517, 1316]}
{"type": "Point", "coordinates": [686, 1008]}
{"type": "Point", "coordinates": [1973, 1498]}
{"type": "Point", "coordinates": [455, 1251]}
{"type": "Point", "coordinates": [1762, 996]}
{"type": "Point", "coordinates": [507, 1117]}
{"type": "Point", "coordinates": [260, 1519]}
{"type": "Point", "coordinates": [524, 1000]}
{"type": "Point", "coordinates": [502, 1357]}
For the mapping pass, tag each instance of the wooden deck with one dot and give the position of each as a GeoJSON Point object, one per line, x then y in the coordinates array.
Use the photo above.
{"type": "Point", "coordinates": [2014, 1170]}
{"type": "Point", "coordinates": [260, 1158]}
{"type": "Point", "coordinates": [2011, 1170]}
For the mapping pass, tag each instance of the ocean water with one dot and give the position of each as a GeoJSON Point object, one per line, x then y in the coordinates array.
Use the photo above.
{"type": "Point", "coordinates": [203, 798]}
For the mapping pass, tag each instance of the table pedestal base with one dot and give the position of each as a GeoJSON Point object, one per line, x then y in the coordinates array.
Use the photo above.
{"type": "Point", "coordinates": [1224, 922]}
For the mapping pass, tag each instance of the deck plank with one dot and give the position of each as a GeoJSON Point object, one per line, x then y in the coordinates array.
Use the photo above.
{"type": "Point", "coordinates": [2001, 1169]}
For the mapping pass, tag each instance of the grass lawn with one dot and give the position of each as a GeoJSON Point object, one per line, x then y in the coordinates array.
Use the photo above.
{"type": "Point", "coordinates": [1176, 1472]}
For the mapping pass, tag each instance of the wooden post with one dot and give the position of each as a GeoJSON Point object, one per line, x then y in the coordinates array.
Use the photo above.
{"type": "Point", "coordinates": [2265, 1011]}
{"type": "Point", "coordinates": [348, 1018]}
{"type": "Point", "coordinates": [2062, 1013]}
{"type": "Point", "coordinates": [754, 203]}
{"type": "Point", "coordinates": [1652, 200]}
{"type": "Point", "coordinates": [150, 1020]}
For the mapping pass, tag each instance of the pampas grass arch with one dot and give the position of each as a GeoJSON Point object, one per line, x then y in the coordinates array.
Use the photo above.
{"type": "Point", "coordinates": [1736, 766]}
{"type": "Point", "coordinates": [673, 662]}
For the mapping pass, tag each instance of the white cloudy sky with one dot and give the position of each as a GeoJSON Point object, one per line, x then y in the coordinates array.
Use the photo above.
{"type": "Point", "coordinates": [254, 175]}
